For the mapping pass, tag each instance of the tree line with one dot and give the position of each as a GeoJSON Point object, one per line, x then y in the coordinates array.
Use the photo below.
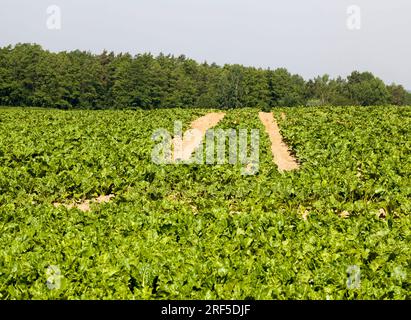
{"type": "Point", "coordinates": [31, 76]}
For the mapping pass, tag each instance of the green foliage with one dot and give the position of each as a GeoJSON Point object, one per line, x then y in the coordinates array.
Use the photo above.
{"type": "Point", "coordinates": [205, 231]}
{"type": "Point", "coordinates": [31, 76]}
{"type": "Point", "coordinates": [285, 89]}
{"type": "Point", "coordinates": [325, 91]}
{"type": "Point", "coordinates": [367, 90]}
{"type": "Point", "coordinates": [398, 95]}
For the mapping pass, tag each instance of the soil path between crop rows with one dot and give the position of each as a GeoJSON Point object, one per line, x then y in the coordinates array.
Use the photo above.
{"type": "Point", "coordinates": [85, 205]}
{"type": "Point", "coordinates": [193, 137]}
{"type": "Point", "coordinates": [282, 156]}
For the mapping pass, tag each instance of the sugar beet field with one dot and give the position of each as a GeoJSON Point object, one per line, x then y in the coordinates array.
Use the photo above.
{"type": "Point", "coordinates": [82, 202]}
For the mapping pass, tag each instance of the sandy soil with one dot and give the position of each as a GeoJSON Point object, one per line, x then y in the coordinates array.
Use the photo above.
{"type": "Point", "coordinates": [184, 148]}
{"type": "Point", "coordinates": [85, 205]}
{"type": "Point", "coordinates": [282, 156]}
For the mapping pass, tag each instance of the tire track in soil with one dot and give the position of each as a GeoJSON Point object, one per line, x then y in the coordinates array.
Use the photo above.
{"type": "Point", "coordinates": [185, 146]}
{"type": "Point", "coordinates": [282, 156]}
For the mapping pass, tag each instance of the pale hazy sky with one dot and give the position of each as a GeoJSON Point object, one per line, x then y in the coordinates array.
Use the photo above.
{"type": "Point", "coordinates": [308, 37]}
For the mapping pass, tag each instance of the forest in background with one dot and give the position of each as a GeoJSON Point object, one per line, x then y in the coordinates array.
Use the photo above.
{"type": "Point", "coordinates": [32, 76]}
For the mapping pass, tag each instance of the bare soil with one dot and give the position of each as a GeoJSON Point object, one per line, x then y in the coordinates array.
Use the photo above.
{"type": "Point", "coordinates": [186, 145]}
{"type": "Point", "coordinates": [85, 205]}
{"type": "Point", "coordinates": [282, 156]}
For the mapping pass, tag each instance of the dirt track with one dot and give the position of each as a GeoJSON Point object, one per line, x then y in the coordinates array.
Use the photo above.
{"type": "Point", "coordinates": [85, 205]}
{"type": "Point", "coordinates": [282, 157]}
{"type": "Point", "coordinates": [192, 138]}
